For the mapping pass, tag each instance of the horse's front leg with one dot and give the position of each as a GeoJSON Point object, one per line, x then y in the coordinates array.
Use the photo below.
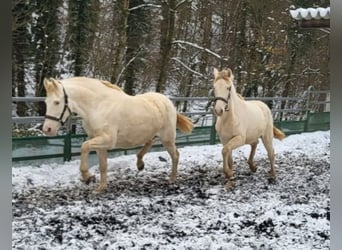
{"type": "Point", "coordinates": [100, 144]}
{"type": "Point", "coordinates": [227, 151]}
{"type": "Point", "coordinates": [102, 155]}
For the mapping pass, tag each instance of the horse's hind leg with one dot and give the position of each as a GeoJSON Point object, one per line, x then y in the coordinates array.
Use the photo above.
{"type": "Point", "coordinates": [251, 157]}
{"type": "Point", "coordinates": [268, 143]}
{"type": "Point", "coordinates": [142, 152]}
{"type": "Point", "coordinates": [172, 150]}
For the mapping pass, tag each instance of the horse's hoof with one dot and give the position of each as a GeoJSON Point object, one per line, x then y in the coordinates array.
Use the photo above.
{"type": "Point", "coordinates": [141, 166]}
{"type": "Point", "coordinates": [172, 181]}
{"type": "Point", "coordinates": [90, 179]}
{"type": "Point", "coordinates": [100, 189]}
{"type": "Point", "coordinates": [253, 169]}
{"type": "Point", "coordinates": [229, 185]}
{"type": "Point", "coordinates": [273, 175]}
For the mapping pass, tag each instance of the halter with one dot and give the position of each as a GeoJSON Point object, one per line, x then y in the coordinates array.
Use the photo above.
{"type": "Point", "coordinates": [66, 107]}
{"type": "Point", "coordinates": [225, 100]}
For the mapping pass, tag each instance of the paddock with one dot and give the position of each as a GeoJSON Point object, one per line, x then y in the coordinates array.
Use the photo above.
{"type": "Point", "coordinates": [52, 209]}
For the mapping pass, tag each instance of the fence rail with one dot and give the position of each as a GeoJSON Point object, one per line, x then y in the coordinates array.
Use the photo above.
{"type": "Point", "coordinates": [289, 117]}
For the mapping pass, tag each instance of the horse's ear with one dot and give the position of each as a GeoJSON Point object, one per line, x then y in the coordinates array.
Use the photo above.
{"type": "Point", "coordinates": [216, 73]}
{"type": "Point", "coordinates": [50, 84]}
{"type": "Point", "coordinates": [47, 84]}
{"type": "Point", "coordinates": [230, 73]}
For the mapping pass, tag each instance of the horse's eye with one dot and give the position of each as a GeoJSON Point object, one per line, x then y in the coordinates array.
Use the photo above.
{"type": "Point", "coordinates": [229, 88]}
{"type": "Point", "coordinates": [56, 102]}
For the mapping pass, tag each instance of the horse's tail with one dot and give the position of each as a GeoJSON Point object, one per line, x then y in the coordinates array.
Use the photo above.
{"type": "Point", "coordinates": [184, 123]}
{"type": "Point", "coordinates": [277, 133]}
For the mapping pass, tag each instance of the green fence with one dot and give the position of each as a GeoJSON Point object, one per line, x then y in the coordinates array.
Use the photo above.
{"type": "Point", "coordinates": [313, 122]}
{"type": "Point", "coordinates": [312, 116]}
{"type": "Point", "coordinates": [68, 146]}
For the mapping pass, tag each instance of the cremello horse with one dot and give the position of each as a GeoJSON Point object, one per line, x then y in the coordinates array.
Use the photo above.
{"type": "Point", "coordinates": [241, 122]}
{"type": "Point", "coordinates": [113, 119]}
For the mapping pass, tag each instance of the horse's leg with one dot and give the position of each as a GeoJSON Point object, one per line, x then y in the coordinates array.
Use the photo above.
{"type": "Point", "coordinates": [227, 151]}
{"type": "Point", "coordinates": [102, 155]}
{"type": "Point", "coordinates": [228, 166]}
{"type": "Point", "coordinates": [142, 152]}
{"type": "Point", "coordinates": [97, 143]}
{"type": "Point", "coordinates": [251, 157]}
{"type": "Point", "coordinates": [84, 169]}
{"type": "Point", "coordinates": [172, 150]}
{"type": "Point", "coordinates": [230, 160]}
{"type": "Point", "coordinates": [268, 143]}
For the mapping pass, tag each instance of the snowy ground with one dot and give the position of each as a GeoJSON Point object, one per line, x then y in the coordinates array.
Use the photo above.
{"type": "Point", "coordinates": [52, 209]}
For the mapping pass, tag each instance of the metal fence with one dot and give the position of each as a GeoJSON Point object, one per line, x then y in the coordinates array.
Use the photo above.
{"type": "Point", "coordinates": [310, 112]}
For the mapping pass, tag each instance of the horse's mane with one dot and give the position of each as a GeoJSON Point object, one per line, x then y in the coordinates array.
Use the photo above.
{"type": "Point", "coordinates": [111, 85]}
{"type": "Point", "coordinates": [225, 74]}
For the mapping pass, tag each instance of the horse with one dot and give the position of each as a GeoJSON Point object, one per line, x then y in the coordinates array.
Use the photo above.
{"type": "Point", "coordinates": [240, 122]}
{"type": "Point", "coordinates": [113, 119]}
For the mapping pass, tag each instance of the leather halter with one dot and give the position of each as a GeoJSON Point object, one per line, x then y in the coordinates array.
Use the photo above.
{"type": "Point", "coordinates": [225, 100]}
{"type": "Point", "coordinates": [66, 107]}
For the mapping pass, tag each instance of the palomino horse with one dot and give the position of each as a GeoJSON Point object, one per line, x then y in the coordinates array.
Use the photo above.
{"type": "Point", "coordinates": [241, 122]}
{"type": "Point", "coordinates": [113, 119]}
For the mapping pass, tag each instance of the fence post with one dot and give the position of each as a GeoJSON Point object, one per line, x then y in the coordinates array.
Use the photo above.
{"type": "Point", "coordinates": [67, 147]}
{"type": "Point", "coordinates": [308, 103]}
{"type": "Point", "coordinates": [67, 139]}
{"type": "Point", "coordinates": [212, 139]}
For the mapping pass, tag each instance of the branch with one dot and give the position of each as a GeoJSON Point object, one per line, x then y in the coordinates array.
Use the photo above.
{"type": "Point", "coordinates": [200, 48]}
{"type": "Point", "coordinates": [189, 69]}
{"type": "Point", "coordinates": [181, 3]}
{"type": "Point", "coordinates": [144, 5]}
{"type": "Point", "coordinates": [125, 67]}
{"type": "Point", "coordinates": [127, 64]}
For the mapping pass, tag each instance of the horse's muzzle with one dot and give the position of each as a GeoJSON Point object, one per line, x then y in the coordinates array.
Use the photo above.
{"type": "Point", "coordinates": [48, 130]}
{"type": "Point", "coordinates": [218, 111]}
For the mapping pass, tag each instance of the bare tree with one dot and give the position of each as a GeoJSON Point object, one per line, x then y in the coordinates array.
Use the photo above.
{"type": "Point", "coordinates": [120, 44]}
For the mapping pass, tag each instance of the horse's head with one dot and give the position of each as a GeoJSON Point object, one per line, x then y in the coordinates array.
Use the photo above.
{"type": "Point", "coordinates": [223, 85]}
{"type": "Point", "coordinates": [57, 109]}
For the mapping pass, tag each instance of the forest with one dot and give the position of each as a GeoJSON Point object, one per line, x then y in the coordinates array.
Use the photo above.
{"type": "Point", "coordinates": [167, 46]}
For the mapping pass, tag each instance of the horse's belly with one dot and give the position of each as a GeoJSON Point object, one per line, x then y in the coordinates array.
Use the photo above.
{"type": "Point", "coordinates": [132, 138]}
{"type": "Point", "coordinates": [224, 136]}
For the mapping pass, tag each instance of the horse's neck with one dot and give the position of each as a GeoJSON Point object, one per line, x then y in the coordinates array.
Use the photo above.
{"type": "Point", "coordinates": [75, 103]}
{"type": "Point", "coordinates": [83, 99]}
{"type": "Point", "coordinates": [233, 105]}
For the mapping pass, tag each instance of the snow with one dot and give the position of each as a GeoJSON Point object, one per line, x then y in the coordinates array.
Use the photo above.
{"type": "Point", "coordinates": [53, 209]}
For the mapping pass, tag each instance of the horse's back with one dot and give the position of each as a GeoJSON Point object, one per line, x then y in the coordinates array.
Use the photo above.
{"type": "Point", "coordinates": [161, 103]}
{"type": "Point", "coordinates": [258, 110]}
{"type": "Point", "coordinates": [257, 120]}
{"type": "Point", "coordinates": [265, 118]}
{"type": "Point", "coordinates": [149, 115]}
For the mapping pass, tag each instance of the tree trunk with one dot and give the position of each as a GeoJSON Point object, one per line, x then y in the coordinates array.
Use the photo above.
{"type": "Point", "coordinates": [206, 23]}
{"type": "Point", "coordinates": [241, 45]}
{"type": "Point", "coordinates": [136, 31]}
{"type": "Point", "coordinates": [46, 35]}
{"type": "Point", "coordinates": [21, 51]}
{"type": "Point", "coordinates": [120, 46]}
{"type": "Point", "coordinates": [166, 31]}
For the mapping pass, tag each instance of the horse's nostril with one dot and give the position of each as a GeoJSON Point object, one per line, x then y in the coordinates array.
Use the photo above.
{"type": "Point", "coordinates": [47, 130]}
{"type": "Point", "coordinates": [218, 112]}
